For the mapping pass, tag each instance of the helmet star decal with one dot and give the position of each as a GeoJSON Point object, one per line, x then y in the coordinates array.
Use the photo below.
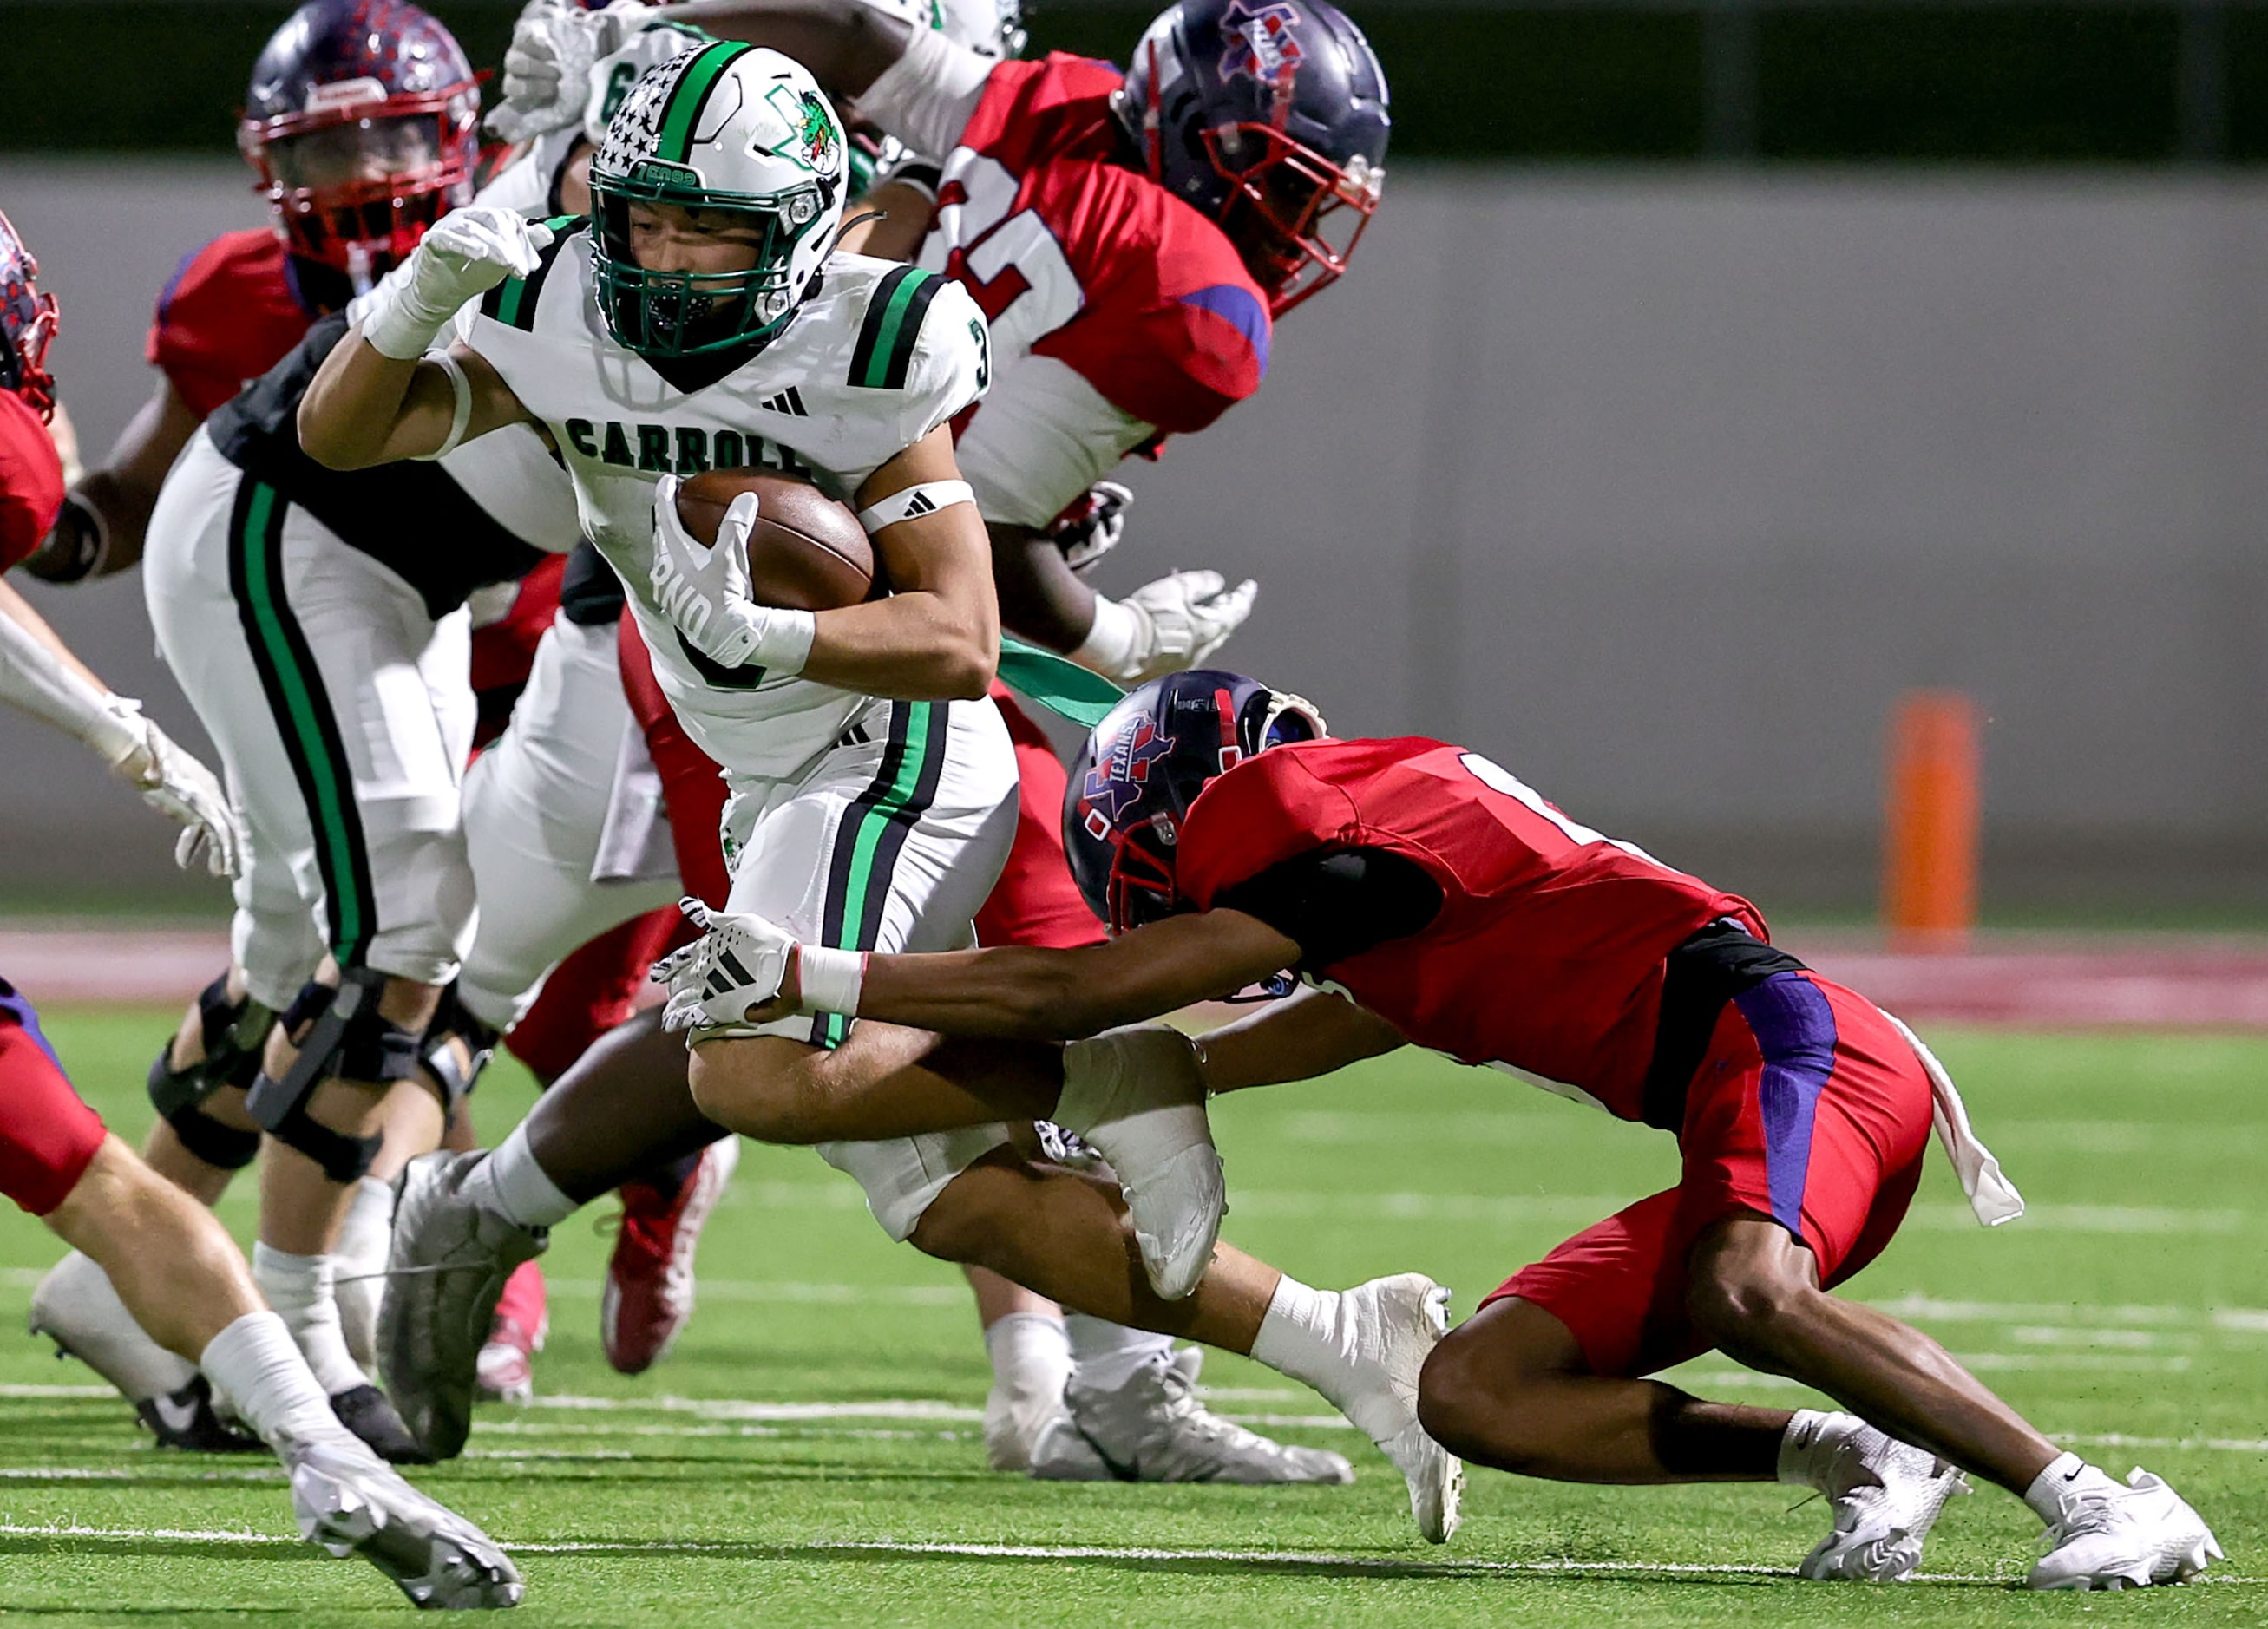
{"type": "Point", "coordinates": [1260, 43]}
{"type": "Point", "coordinates": [1116, 781]}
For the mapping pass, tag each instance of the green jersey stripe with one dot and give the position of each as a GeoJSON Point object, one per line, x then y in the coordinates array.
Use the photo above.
{"type": "Point", "coordinates": [683, 117]}
{"type": "Point", "coordinates": [513, 301]}
{"type": "Point", "coordinates": [871, 833]}
{"type": "Point", "coordinates": [304, 717]}
{"type": "Point", "coordinates": [909, 332]}
{"type": "Point", "coordinates": [903, 294]}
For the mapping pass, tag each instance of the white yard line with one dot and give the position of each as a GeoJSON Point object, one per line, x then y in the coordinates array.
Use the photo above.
{"type": "Point", "coordinates": [1321, 1561]}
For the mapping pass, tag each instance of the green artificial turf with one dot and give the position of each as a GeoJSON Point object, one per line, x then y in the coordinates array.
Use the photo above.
{"type": "Point", "coordinates": [2127, 1305]}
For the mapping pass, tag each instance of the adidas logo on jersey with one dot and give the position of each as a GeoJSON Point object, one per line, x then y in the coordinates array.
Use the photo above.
{"type": "Point", "coordinates": [684, 449]}
{"type": "Point", "coordinates": [789, 401]}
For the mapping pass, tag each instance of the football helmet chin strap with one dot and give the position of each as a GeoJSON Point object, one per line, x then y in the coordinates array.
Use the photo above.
{"type": "Point", "coordinates": [348, 1039]}
{"type": "Point", "coordinates": [235, 1031]}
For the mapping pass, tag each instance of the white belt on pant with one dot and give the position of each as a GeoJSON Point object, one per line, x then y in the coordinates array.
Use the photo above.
{"type": "Point", "coordinates": [1990, 1195]}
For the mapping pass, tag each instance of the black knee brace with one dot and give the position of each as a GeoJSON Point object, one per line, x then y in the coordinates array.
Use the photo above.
{"type": "Point", "coordinates": [346, 1039]}
{"type": "Point", "coordinates": [453, 1021]}
{"type": "Point", "coordinates": [233, 1031]}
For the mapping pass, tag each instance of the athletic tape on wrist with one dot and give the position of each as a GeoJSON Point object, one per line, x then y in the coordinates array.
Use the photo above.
{"type": "Point", "coordinates": [926, 498]}
{"type": "Point", "coordinates": [829, 981]}
{"type": "Point", "coordinates": [461, 415]}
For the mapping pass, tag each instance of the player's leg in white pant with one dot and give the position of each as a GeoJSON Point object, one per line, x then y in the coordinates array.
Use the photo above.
{"type": "Point", "coordinates": [178, 1270]}
{"type": "Point", "coordinates": [536, 805]}
{"type": "Point", "coordinates": [343, 713]}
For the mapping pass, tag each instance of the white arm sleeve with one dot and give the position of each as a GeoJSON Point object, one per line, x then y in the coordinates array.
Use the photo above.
{"type": "Point", "coordinates": [926, 97]}
{"type": "Point", "coordinates": [1042, 438]}
{"type": "Point", "coordinates": [33, 679]}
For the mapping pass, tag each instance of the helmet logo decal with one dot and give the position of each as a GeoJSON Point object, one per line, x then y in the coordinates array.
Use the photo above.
{"type": "Point", "coordinates": [811, 139]}
{"type": "Point", "coordinates": [344, 93]}
{"type": "Point", "coordinates": [1262, 44]}
{"type": "Point", "coordinates": [1116, 780]}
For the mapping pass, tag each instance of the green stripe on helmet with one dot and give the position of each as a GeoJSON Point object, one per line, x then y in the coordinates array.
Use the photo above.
{"type": "Point", "coordinates": [683, 117]}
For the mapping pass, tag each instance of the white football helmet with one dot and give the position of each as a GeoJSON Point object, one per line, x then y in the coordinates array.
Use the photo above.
{"type": "Point", "coordinates": [729, 128]}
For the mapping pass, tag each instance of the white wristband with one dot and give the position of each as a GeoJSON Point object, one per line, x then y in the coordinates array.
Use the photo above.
{"type": "Point", "coordinates": [462, 417]}
{"type": "Point", "coordinates": [1109, 644]}
{"type": "Point", "coordinates": [395, 325]}
{"type": "Point", "coordinates": [829, 981]}
{"type": "Point", "coordinates": [783, 640]}
{"type": "Point", "coordinates": [925, 499]}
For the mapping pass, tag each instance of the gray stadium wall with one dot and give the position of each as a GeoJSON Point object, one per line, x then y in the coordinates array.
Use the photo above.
{"type": "Point", "coordinates": [1659, 485]}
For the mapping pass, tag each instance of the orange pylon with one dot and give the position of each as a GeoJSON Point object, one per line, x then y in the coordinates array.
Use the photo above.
{"type": "Point", "coordinates": [1931, 821]}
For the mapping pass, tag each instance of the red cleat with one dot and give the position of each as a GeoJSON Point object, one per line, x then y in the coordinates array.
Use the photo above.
{"type": "Point", "coordinates": [504, 1372]}
{"type": "Point", "coordinates": [649, 1293]}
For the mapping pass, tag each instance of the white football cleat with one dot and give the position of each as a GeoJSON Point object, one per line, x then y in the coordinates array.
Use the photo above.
{"type": "Point", "coordinates": [1389, 1326]}
{"type": "Point", "coordinates": [1137, 1096]}
{"type": "Point", "coordinates": [1885, 1496]}
{"type": "Point", "coordinates": [2113, 1538]}
{"type": "Point", "coordinates": [1153, 1429]}
{"type": "Point", "coordinates": [350, 1503]}
{"type": "Point", "coordinates": [450, 1262]}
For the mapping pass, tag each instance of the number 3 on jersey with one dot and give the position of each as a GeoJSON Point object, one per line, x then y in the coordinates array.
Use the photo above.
{"type": "Point", "coordinates": [1497, 778]}
{"type": "Point", "coordinates": [1011, 264]}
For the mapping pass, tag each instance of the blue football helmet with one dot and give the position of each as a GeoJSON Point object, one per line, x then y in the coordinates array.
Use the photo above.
{"type": "Point", "coordinates": [1271, 117]}
{"type": "Point", "coordinates": [361, 123]}
{"type": "Point", "coordinates": [1143, 767]}
{"type": "Point", "coordinates": [27, 325]}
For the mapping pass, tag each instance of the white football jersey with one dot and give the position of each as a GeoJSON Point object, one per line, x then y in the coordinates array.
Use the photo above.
{"type": "Point", "coordinates": [878, 355]}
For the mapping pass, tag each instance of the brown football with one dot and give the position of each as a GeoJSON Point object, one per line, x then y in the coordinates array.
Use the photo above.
{"type": "Point", "coordinates": [805, 551]}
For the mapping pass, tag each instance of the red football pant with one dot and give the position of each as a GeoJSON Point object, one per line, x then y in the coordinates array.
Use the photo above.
{"type": "Point", "coordinates": [47, 1134]}
{"type": "Point", "coordinates": [589, 992]}
{"type": "Point", "coordinates": [1035, 903]}
{"type": "Point", "coordinates": [1809, 1108]}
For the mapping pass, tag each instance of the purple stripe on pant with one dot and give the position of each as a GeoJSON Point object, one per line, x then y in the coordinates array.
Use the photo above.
{"type": "Point", "coordinates": [1794, 1028]}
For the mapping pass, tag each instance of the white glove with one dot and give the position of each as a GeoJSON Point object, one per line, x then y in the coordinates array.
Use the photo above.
{"type": "Point", "coordinates": [703, 589]}
{"type": "Point", "coordinates": [1165, 625]}
{"type": "Point", "coordinates": [465, 254]}
{"type": "Point", "coordinates": [1095, 526]}
{"type": "Point", "coordinates": [738, 963]}
{"type": "Point", "coordinates": [174, 783]}
{"type": "Point", "coordinates": [547, 71]}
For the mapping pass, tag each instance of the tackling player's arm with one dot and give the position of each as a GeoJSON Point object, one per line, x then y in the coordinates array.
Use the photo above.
{"type": "Point", "coordinates": [100, 529]}
{"type": "Point", "coordinates": [937, 636]}
{"type": "Point", "coordinates": [846, 45]}
{"type": "Point", "coordinates": [1059, 995]}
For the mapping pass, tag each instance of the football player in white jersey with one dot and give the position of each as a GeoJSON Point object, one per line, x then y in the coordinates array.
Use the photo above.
{"type": "Point", "coordinates": [669, 344]}
{"type": "Point", "coordinates": [551, 772]}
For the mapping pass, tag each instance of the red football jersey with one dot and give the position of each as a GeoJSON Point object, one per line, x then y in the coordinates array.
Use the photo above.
{"type": "Point", "coordinates": [227, 316]}
{"type": "Point", "coordinates": [31, 480]}
{"type": "Point", "coordinates": [1071, 254]}
{"type": "Point", "coordinates": [1546, 957]}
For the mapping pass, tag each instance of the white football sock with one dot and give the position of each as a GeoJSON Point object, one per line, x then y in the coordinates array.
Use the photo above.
{"type": "Point", "coordinates": [1809, 1447]}
{"type": "Point", "coordinates": [1308, 1336]}
{"type": "Point", "coordinates": [299, 1289]}
{"type": "Point", "coordinates": [1108, 1354]}
{"type": "Point", "coordinates": [255, 1364]}
{"type": "Point", "coordinates": [2053, 1491]}
{"type": "Point", "coordinates": [77, 1296]}
{"type": "Point", "coordinates": [358, 1258]}
{"type": "Point", "coordinates": [509, 1184]}
{"type": "Point", "coordinates": [1030, 1353]}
